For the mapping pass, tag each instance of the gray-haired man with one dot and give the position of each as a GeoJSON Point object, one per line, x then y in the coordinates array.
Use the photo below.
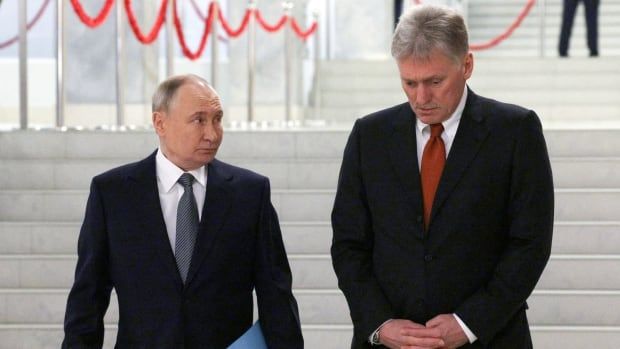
{"type": "Point", "coordinates": [444, 211]}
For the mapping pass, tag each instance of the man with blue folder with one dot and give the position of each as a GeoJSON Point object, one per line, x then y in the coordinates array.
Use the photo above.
{"type": "Point", "coordinates": [184, 239]}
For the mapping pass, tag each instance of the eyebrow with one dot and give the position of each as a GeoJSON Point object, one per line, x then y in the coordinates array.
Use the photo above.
{"type": "Point", "coordinates": [430, 78]}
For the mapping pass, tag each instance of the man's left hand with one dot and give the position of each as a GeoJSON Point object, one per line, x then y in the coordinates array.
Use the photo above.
{"type": "Point", "coordinates": [451, 332]}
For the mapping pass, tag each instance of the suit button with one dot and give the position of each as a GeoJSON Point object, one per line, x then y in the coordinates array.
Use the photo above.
{"type": "Point", "coordinates": [428, 258]}
{"type": "Point", "coordinates": [419, 219]}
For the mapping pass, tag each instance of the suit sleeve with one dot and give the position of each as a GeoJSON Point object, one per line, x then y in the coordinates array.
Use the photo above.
{"type": "Point", "coordinates": [90, 295]}
{"type": "Point", "coordinates": [530, 226]}
{"type": "Point", "coordinates": [352, 245]}
{"type": "Point", "coordinates": [277, 308]}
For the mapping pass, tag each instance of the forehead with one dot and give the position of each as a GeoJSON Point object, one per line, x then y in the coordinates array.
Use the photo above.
{"type": "Point", "coordinates": [195, 90]}
{"type": "Point", "coordinates": [196, 94]}
{"type": "Point", "coordinates": [437, 63]}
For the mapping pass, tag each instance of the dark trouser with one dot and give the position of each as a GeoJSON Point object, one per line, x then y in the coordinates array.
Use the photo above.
{"type": "Point", "coordinates": [398, 7]}
{"type": "Point", "coordinates": [568, 17]}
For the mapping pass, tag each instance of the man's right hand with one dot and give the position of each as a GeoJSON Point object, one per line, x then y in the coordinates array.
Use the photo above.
{"type": "Point", "coordinates": [406, 334]}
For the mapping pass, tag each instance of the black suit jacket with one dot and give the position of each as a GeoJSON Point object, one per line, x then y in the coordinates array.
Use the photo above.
{"type": "Point", "coordinates": [490, 232]}
{"type": "Point", "coordinates": [123, 245]}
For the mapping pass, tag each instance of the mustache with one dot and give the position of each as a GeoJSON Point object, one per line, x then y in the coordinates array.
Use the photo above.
{"type": "Point", "coordinates": [426, 106]}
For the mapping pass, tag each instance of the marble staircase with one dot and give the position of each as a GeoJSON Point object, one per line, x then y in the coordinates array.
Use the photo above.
{"type": "Point", "coordinates": [44, 184]}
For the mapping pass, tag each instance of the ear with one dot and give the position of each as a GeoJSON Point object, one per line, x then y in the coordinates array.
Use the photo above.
{"type": "Point", "coordinates": [159, 123]}
{"type": "Point", "coordinates": [468, 65]}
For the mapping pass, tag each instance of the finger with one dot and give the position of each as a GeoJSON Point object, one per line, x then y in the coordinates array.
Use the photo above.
{"type": "Point", "coordinates": [436, 321]}
{"type": "Point", "coordinates": [422, 347]}
{"type": "Point", "coordinates": [413, 325]}
{"type": "Point", "coordinates": [424, 342]}
{"type": "Point", "coordinates": [424, 332]}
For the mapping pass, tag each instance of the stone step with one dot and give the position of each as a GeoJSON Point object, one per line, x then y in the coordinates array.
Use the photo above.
{"type": "Point", "coordinates": [496, 80]}
{"type": "Point", "coordinates": [548, 112]}
{"type": "Point", "coordinates": [329, 307]}
{"type": "Point", "coordinates": [314, 272]}
{"type": "Point", "coordinates": [27, 336]}
{"type": "Point", "coordinates": [524, 97]}
{"type": "Point", "coordinates": [562, 138]}
{"type": "Point", "coordinates": [550, 51]}
{"type": "Point", "coordinates": [599, 116]}
{"type": "Point", "coordinates": [500, 8]}
{"type": "Point", "coordinates": [594, 237]}
{"type": "Point", "coordinates": [291, 205]}
{"type": "Point", "coordinates": [283, 173]}
{"type": "Point", "coordinates": [77, 174]}
{"type": "Point", "coordinates": [490, 27]}
{"type": "Point", "coordinates": [134, 145]}
{"type": "Point", "coordinates": [483, 66]}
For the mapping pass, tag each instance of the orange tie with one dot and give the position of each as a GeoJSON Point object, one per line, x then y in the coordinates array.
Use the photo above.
{"type": "Point", "coordinates": [433, 161]}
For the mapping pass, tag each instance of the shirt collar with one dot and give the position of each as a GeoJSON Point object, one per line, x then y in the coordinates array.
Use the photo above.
{"type": "Point", "coordinates": [168, 173]}
{"type": "Point", "coordinates": [449, 125]}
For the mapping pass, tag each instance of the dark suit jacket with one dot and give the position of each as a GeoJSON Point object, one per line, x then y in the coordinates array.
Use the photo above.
{"type": "Point", "coordinates": [123, 245]}
{"type": "Point", "coordinates": [490, 232]}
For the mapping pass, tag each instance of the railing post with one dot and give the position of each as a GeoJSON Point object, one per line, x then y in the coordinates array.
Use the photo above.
{"type": "Point", "coordinates": [317, 70]}
{"type": "Point", "coordinates": [120, 66]}
{"type": "Point", "coordinates": [22, 12]}
{"type": "Point", "coordinates": [214, 44]}
{"type": "Point", "coordinates": [329, 28]}
{"type": "Point", "coordinates": [542, 9]}
{"type": "Point", "coordinates": [169, 39]}
{"type": "Point", "coordinates": [251, 59]}
{"type": "Point", "coordinates": [288, 57]}
{"type": "Point", "coordinates": [60, 63]}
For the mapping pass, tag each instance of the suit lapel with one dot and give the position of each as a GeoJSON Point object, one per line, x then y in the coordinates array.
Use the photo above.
{"type": "Point", "coordinates": [218, 200]}
{"type": "Point", "coordinates": [404, 158]}
{"type": "Point", "coordinates": [151, 218]}
{"type": "Point", "coordinates": [471, 133]}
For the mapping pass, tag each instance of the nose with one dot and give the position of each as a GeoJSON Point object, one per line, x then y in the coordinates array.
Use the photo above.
{"type": "Point", "coordinates": [209, 133]}
{"type": "Point", "coordinates": [423, 95]}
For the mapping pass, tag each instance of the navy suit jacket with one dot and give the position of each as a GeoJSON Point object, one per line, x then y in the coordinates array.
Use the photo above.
{"type": "Point", "coordinates": [123, 245]}
{"type": "Point", "coordinates": [490, 232]}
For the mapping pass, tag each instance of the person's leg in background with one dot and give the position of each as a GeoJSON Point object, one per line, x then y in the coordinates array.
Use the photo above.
{"type": "Point", "coordinates": [592, 24]}
{"type": "Point", "coordinates": [398, 8]}
{"type": "Point", "coordinates": [568, 17]}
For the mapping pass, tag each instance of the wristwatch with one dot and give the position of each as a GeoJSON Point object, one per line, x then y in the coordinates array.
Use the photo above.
{"type": "Point", "coordinates": [374, 339]}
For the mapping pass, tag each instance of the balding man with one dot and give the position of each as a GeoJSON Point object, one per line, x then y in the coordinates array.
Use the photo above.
{"type": "Point", "coordinates": [183, 239]}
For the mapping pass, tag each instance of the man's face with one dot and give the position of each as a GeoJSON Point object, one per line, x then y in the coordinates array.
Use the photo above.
{"type": "Point", "coordinates": [434, 86]}
{"type": "Point", "coordinates": [190, 132]}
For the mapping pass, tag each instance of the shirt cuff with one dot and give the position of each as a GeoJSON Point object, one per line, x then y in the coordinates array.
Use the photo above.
{"type": "Point", "coordinates": [377, 330]}
{"type": "Point", "coordinates": [470, 335]}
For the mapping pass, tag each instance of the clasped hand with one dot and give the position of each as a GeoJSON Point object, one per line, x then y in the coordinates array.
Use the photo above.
{"type": "Point", "coordinates": [442, 332]}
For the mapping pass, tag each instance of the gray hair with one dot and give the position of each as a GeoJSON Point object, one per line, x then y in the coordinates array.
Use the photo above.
{"type": "Point", "coordinates": [424, 28]}
{"type": "Point", "coordinates": [164, 95]}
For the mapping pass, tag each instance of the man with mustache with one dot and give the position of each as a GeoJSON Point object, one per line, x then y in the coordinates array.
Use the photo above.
{"type": "Point", "coordinates": [443, 216]}
{"type": "Point", "coordinates": [183, 239]}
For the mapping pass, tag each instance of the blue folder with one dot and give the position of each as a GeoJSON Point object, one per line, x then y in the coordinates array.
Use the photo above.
{"type": "Point", "coordinates": [251, 339]}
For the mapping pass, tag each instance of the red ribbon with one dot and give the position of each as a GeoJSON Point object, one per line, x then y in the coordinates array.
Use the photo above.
{"type": "Point", "coordinates": [92, 22]}
{"type": "Point", "coordinates": [133, 23]}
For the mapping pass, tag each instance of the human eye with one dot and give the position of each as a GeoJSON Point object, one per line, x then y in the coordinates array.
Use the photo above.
{"type": "Point", "coordinates": [197, 119]}
{"type": "Point", "coordinates": [436, 81]}
{"type": "Point", "coordinates": [217, 118]}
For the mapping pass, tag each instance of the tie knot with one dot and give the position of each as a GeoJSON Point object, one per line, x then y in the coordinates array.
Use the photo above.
{"type": "Point", "coordinates": [186, 180]}
{"type": "Point", "coordinates": [436, 130]}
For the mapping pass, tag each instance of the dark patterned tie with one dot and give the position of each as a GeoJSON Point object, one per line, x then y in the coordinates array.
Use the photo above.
{"type": "Point", "coordinates": [433, 161]}
{"type": "Point", "coordinates": [187, 226]}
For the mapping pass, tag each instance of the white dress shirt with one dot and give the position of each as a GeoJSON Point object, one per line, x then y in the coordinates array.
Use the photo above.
{"type": "Point", "coordinates": [170, 191]}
